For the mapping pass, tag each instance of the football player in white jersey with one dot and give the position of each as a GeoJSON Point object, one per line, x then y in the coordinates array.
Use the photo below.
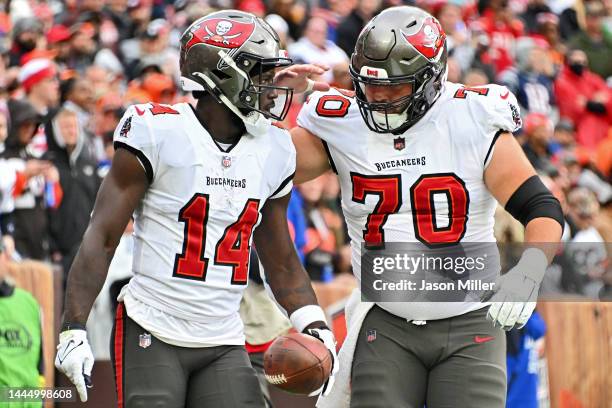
{"type": "Point", "coordinates": [201, 184]}
{"type": "Point", "coordinates": [423, 160]}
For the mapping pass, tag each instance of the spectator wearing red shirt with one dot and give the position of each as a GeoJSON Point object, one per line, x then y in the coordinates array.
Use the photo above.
{"type": "Point", "coordinates": [502, 28]}
{"type": "Point", "coordinates": [58, 41]}
{"type": "Point", "coordinates": [584, 98]}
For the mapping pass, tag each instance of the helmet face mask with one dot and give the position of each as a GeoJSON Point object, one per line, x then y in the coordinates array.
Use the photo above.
{"type": "Point", "coordinates": [402, 45]}
{"type": "Point", "coordinates": [230, 54]}
{"type": "Point", "coordinates": [384, 117]}
{"type": "Point", "coordinates": [256, 92]}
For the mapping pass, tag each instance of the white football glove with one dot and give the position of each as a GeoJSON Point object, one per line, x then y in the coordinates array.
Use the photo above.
{"type": "Point", "coordinates": [327, 337]}
{"type": "Point", "coordinates": [516, 292]}
{"type": "Point", "coordinates": [75, 359]}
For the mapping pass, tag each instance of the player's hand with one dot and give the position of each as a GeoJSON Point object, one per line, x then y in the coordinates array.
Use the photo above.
{"type": "Point", "coordinates": [327, 337]}
{"type": "Point", "coordinates": [515, 294]}
{"type": "Point", "coordinates": [297, 77]}
{"type": "Point", "coordinates": [75, 359]}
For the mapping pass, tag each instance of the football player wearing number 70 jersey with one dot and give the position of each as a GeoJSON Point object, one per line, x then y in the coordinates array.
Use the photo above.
{"type": "Point", "coordinates": [423, 160]}
{"type": "Point", "coordinates": [202, 184]}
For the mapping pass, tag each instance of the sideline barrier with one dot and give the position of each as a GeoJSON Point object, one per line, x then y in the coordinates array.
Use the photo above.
{"type": "Point", "coordinates": [579, 353]}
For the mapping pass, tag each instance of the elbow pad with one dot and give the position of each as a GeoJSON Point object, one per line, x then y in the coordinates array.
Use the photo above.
{"type": "Point", "coordinates": [533, 200]}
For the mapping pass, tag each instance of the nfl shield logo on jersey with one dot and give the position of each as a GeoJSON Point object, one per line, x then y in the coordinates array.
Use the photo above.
{"type": "Point", "coordinates": [371, 335]}
{"type": "Point", "coordinates": [144, 340]}
{"type": "Point", "coordinates": [227, 161]}
{"type": "Point", "coordinates": [399, 143]}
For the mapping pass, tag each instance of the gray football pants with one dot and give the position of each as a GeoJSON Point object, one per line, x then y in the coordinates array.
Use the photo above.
{"type": "Point", "coordinates": [166, 376]}
{"type": "Point", "coordinates": [459, 362]}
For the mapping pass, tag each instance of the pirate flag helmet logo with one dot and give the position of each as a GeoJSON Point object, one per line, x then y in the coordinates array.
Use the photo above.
{"type": "Point", "coordinates": [221, 32]}
{"type": "Point", "coordinates": [233, 56]}
{"type": "Point", "coordinates": [429, 40]}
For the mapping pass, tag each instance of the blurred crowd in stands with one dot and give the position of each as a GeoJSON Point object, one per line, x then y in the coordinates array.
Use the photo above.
{"type": "Point", "coordinates": [68, 70]}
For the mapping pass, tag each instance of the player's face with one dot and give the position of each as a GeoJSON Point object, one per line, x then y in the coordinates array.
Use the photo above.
{"type": "Point", "coordinates": [387, 93]}
{"type": "Point", "coordinates": [267, 97]}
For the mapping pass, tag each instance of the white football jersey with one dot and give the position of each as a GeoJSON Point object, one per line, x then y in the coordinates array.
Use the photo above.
{"type": "Point", "coordinates": [193, 228]}
{"type": "Point", "coordinates": [424, 185]}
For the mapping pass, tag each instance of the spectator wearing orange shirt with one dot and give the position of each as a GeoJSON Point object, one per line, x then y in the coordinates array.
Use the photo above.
{"type": "Point", "coordinates": [603, 157]}
{"type": "Point", "coordinates": [548, 30]}
{"type": "Point", "coordinates": [5, 22]}
{"type": "Point", "coordinates": [160, 88]}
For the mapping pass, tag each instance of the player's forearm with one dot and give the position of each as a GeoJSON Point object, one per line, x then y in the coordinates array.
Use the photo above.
{"type": "Point", "coordinates": [87, 276]}
{"type": "Point", "coordinates": [285, 274]}
{"type": "Point", "coordinates": [545, 234]}
{"type": "Point", "coordinates": [291, 285]}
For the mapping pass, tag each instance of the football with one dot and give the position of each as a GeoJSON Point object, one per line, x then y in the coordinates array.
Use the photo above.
{"type": "Point", "coordinates": [297, 363]}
